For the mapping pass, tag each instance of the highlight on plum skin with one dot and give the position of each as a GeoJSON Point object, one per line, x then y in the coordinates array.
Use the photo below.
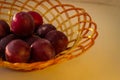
{"type": "Point", "coordinates": [42, 50]}
{"type": "Point", "coordinates": [44, 29]}
{"type": "Point", "coordinates": [37, 18]}
{"type": "Point", "coordinates": [22, 24]}
{"type": "Point", "coordinates": [4, 41]}
{"type": "Point", "coordinates": [17, 51]}
{"type": "Point", "coordinates": [58, 40]}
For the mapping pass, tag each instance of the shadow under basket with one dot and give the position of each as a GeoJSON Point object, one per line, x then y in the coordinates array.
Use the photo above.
{"type": "Point", "coordinates": [75, 22]}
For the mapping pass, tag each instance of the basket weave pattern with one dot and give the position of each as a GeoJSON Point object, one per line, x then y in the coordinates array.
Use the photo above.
{"type": "Point", "coordinates": [76, 23]}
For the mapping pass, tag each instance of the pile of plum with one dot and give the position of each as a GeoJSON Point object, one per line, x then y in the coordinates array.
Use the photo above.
{"type": "Point", "coordinates": [29, 39]}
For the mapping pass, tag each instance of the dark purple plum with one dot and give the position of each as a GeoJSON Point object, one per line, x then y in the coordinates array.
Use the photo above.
{"type": "Point", "coordinates": [4, 28]}
{"type": "Point", "coordinates": [58, 39]}
{"type": "Point", "coordinates": [17, 51]}
{"type": "Point", "coordinates": [32, 39]}
{"type": "Point", "coordinates": [37, 18]}
{"type": "Point", "coordinates": [42, 50]}
{"type": "Point", "coordinates": [44, 29]}
{"type": "Point", "coordinates": [4, 41]}
{"type": "Point", "coordinates": [22, 24]}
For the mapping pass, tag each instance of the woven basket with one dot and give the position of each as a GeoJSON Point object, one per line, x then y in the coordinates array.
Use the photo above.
{"type": "Point", "coordinates": [76, 23]}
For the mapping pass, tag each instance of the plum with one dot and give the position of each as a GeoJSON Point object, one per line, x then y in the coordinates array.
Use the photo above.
{"type": "Point", "coordinates": [22, 24]}
{"type": "Point", "coordinates": [4, 28]}
{"type": "Point", "coordinates": [32, 39]}
{"type": "Point", "coordinates": [44, 29]}
{"type": "Point", "coordinates": [4, 41]}
{"type": "Point", "coordinates": [42, 50]}
{"type": "Point", "coordinates": [37, 18]}
{"type": "Point", "coordinates": [58, 39]}
{"type": "Point", "coordinates": [17, 51]}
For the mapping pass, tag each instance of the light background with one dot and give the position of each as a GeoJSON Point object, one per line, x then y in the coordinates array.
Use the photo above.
{"type": "Point", "coordinates": [100, 62]}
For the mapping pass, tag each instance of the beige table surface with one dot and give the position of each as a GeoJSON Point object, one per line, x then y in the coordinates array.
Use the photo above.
{"type": "Point", "coordinates": [101, 62]}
